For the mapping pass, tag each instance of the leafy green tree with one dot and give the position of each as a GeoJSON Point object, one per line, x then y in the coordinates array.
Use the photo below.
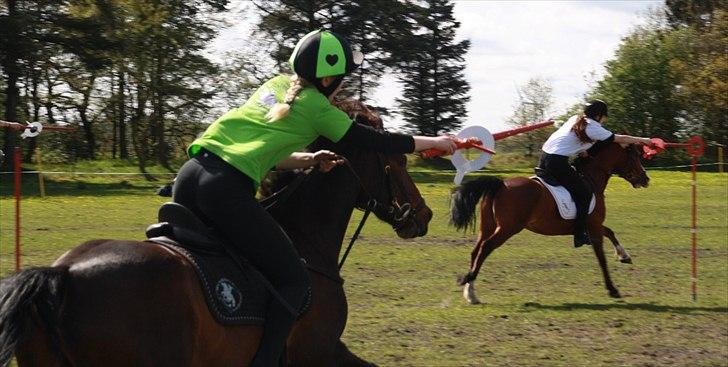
{"type": "Point", "coordinates": [435, 91]}
{"type": "Point", "coordinates": [535, 100]}
{"type": "Point", "coordinates": [27, 29]}
{"type": "Point", "coordinates": [640, 85]}
{"type": "Point", "coordinates": [693, 13]}
{"type": "Point", "coordinates": [703, 87]}
{"type": "Point", "coordinates": [163, 80]}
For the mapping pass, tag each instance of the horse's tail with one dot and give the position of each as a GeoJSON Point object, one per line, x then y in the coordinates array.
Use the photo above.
{"type": "Point", "coordinates": [38, 290]}
{"type": "Point", "coordinates": [465, 199]}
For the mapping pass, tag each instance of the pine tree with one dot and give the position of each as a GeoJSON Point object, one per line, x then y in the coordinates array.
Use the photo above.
{"type": "Point", "coordinates": [435, 89]}
{"type": "Point", "coordinates": [375, 27]}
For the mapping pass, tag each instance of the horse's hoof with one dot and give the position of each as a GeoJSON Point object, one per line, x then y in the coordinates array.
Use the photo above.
{"type": "Point", "coordinates": [627, 260]}
{"type": "Point", "coordinates": [469, 294]}
{"type": "Point", "coordinates": [614, 293]}
{"type": "Point", "coordinates": [474, 301]}
{"type": "Point", "coordinates": [463, 279]}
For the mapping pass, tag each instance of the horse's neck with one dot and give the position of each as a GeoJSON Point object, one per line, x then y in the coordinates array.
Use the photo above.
{"type": "Point", "coordinates": [599, 170]}
{"type": "Point", "coordinates": [318, 219]}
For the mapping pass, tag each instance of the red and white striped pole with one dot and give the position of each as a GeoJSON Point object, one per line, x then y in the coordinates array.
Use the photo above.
{"type": "Point", "coordinates": [694, 229]}
{"type": "Point", "coordinates": [695, 147]}
{"type": "Point", "coordinates": [29, 130]}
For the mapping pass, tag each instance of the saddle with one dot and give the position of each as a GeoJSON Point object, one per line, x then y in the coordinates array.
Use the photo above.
{"type": "Point", "coordinates": [562, 197]}
{"type": "Point", "coordinates": [235, 292]}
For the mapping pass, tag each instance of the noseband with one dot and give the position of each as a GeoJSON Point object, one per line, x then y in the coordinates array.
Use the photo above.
{"type": "Point", "coordinates": [396, 214]}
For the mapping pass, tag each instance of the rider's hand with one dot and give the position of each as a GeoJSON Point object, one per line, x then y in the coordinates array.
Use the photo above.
{"type": "Point", "coordinates": [445, 143]}
{"type": "Point", "coordinates": [645, 141]}
{"type": "Point", "coordinates": [327, 160]}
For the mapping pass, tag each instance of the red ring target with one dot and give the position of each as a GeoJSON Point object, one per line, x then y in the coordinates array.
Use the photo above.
{"type": "Point", "coordinates": [696, 146]}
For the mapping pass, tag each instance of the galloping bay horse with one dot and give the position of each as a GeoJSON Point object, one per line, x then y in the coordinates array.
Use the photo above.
{"type": "Point", "coordinates": [131, 303]}
{"type": "Point", "coordinates": [316, 220]}
{"type": "Point", "coordinates": [507, 207]}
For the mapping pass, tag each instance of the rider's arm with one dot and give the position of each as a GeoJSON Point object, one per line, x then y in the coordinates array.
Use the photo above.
{"type": "Point", "coordinates": [306, 159]}
{"type": "Point", "coordinates": [627, 139]}
{"type": "Point", "coordinates": [598, 133]}
{"type": "Point", "coordinates": [386, 142]}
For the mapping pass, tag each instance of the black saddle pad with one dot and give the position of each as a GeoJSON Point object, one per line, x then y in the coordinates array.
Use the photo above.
{"type": "Point", "coordinates": [234, 297]}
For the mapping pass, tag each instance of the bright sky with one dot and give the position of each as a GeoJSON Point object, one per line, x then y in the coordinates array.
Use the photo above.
{"type": "Point", "coordinates": [564, 42]}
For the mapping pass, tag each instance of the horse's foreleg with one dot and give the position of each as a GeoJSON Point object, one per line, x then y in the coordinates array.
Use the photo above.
{"type": "Point", "coordinates": [598, 245]}
{"type": "Point", "coordinates": [619, 250]}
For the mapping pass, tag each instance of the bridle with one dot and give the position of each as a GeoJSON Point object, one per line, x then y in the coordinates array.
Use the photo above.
{"type": "Point", "coordinates": [395, 213]}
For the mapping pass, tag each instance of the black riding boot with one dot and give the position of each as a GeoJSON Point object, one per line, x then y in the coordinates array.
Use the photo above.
{"type": "Point", "coordinates": [581, 235]}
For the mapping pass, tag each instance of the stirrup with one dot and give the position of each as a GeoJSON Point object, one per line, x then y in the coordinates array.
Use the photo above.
{"type": "Point", "coordinates": [581, 238]}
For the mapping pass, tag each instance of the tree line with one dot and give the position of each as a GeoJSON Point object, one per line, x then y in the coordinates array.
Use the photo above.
{"type": "Point", "coordinates": [668, 79]}
{"type": "Point", "coordinates": [137, 79]}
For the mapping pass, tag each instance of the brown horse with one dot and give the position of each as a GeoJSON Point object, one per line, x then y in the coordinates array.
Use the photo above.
{"type": "Point", "coordinates": [317, 230]}
{"type": "Point", "coordinates": [131, 303]}
{"type": "Point", "coordinates": [518, 203]}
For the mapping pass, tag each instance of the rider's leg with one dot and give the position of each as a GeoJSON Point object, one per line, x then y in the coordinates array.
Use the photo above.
{"type": "Point", "coordinates": [580, 193]}
{"type": "Point", "coordinates": [561, 170]}
{"type": "Point", "coordinates": [225, 199]}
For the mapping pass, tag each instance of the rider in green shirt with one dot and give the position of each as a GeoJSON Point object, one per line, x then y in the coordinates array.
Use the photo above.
{"type": "Point", "coordinates": [229, 160]}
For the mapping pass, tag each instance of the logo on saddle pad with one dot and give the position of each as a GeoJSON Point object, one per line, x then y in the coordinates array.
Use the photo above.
{"type": "Point", "coordinates": [228, 294]}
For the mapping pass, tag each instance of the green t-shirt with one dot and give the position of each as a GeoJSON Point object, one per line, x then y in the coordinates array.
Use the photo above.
{"type": "Point", "coordinates": [244, 138]}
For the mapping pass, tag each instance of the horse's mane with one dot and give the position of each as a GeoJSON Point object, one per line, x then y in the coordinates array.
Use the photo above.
{"type": "Point", "coordinates": [357, 111]}
{"type": "Point", "coordinates": [597, 149]}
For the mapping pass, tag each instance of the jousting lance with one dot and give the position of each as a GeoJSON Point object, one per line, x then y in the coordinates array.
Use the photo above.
{"type": "Point", "coordinates": [32, 128]}
{"type": "Point", "coordinates": [478, 137]}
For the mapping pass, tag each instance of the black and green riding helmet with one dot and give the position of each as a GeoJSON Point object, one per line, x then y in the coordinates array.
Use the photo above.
{"type": "Point", "coordinates": [324, 53]}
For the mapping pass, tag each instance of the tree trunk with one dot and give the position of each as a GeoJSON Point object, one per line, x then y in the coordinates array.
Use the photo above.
{"type": "Point", "coordinates": [111, 116]}
{"type": "Point", "coordinates": [12, 94]}
{"type": "Point", "coordinates": [161, 150]}
{"type": "Point", "coordinates": [137, 136]}
{"type": "Point", "coordinates": [123, 148]}
{"type": "Point", "coordinates": [34, 82]}
{"type": "Point", "coordinates": [87, 124]}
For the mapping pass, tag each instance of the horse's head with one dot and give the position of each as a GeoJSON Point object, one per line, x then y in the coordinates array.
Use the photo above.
{"type": "Point", "coordinates": [629, 166]}
{"type": "Point", "coordinates": [387, 188]}
{"type": "Point", "coordinates": [624, 161]}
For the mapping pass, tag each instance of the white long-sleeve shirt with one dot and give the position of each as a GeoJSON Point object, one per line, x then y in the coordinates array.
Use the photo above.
{"type": "Point", "coordinates": [565, 142]}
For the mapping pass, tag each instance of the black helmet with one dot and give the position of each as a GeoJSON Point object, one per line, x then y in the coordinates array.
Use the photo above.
{"type": "Point", "coordinates": [595, 109]}
{"type": "Point", "coordinates": [324, 53]}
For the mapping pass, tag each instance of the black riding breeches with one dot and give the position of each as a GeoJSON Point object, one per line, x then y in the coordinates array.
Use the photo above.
{"type": "Point", "coordinates": [559, 168]}
{"type": "Point", "coordinates": [224, 198]}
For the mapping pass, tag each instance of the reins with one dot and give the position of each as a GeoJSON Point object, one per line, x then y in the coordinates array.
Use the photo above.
{"type": "Point", "coordinates": [371, 205]}
{"type": "Point", "coordinates": [280, 196]}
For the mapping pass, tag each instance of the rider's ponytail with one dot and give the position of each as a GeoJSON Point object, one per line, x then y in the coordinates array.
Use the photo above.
{"type": "Point", "coordinates": [579, 129]}
{"type": "Point", "coordinates": [595, 110]}
{"type": "Point", "coordinates": [281, 110]}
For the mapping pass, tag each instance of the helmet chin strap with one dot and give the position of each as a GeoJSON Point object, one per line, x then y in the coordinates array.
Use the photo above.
{"type": "Point", "coordinates": [331, 88]}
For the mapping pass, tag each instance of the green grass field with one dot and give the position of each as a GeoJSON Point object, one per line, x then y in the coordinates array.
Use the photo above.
{"type": "Point", "coordinates": [544, 301]}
